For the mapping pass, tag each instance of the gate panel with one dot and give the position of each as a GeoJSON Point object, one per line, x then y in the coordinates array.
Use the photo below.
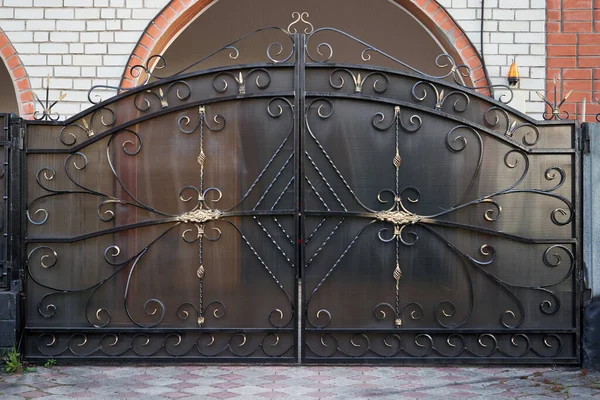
{"type": "Point", "coordinates": [439, 225]}
{"type": "Point", "coordinates": [162, 225]}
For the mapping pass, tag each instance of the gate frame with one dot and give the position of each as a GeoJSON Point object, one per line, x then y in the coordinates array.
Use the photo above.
{"type": "Point", "coordinates": [17, 224]}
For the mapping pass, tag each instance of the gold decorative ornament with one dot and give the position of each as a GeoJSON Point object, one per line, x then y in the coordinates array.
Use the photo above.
{"type": "Point", "coordinates": [398, 217]}
{"type": "Point", "coordinates": [200, 216]}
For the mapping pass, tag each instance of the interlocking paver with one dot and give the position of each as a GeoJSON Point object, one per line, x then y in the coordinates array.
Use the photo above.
{"type": "Point", "coordinates": [294, 382]}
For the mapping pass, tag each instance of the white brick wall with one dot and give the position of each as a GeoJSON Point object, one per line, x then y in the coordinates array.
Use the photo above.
{"type": "Point", "coordinates": [512, 29]}
{"type": "Point", "coordinates": [77, 40]}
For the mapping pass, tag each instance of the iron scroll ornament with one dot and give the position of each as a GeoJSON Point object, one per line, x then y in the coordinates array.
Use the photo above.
{"type": "Point", "coordinates": [200, 219]}
{"type": "Point", "coordinates": [276, 53]}
{"type": "Point", "coordinates": [403, 221]}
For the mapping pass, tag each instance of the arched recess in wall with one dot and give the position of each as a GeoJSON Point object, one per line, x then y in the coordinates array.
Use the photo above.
{"type": "Point", "coordinates": [415, 31]}
{"type": "Point", "coordinates": [15, 94]}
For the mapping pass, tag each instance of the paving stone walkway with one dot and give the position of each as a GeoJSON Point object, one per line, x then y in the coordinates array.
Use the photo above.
{"type": "Point", "coordinates": [308, 382]}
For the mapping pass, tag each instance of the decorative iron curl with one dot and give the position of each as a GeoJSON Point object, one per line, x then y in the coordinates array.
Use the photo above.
{"type": "Point", "coordinates": [326, 316]}
{"type": "Point", "coordinates": [548, 339]}
{"type": "Point", "coordinates": [279, 112]}
{"type": "Point", "coordinates": [416, 311]}
{"type": "Point", "coordinates": [399, 233]}
{"type": "Point", "coordinates": [511, 127]}
{"type": "Point", "coordinates": [492, 345]}
{"type": "Point", "coordinates": [503, 97]}
{"type": "Point", "coordinates": [510, 314]}
{"type": "Point", "coordinates": [359, 81]}
{"type": "Point", "coordinates": [326, 105]}
{"type": "Point", "coordinates": [184, 92]}
{"type": "Point", "coordinates": [550, 175]}
{"type": "Point", "coordinates": [487, 251]}
{"type": "Point", "coordinates": [428, 346]}
{"type": "Point", "coordinates": [100, 322]}
{"type": "Point", "coordinates": [299, 18]}
{"type": "Point", "coordinates": [107, 120]}
{"type": "Point", "coordinates": [515, 163]}
{"type": "Point", "coordinates": [514, 341]}
{"type": "Point", "coordinates": [218, 119]}
{"type": "Point", "coordinates": [329, 342]}
{"type": "Point", "coordinates": [126, 145]}
{"type": "Point", "coordinates": [279, 315]}
{"type": "Point", "coordinates": [240, 78]}
{"type": "Point", "coordinates": [136, 70]}
{"type": "Point", "coordinates": [459, 143]}
{"type": "Point", "coordinates": [445, 309]}
{"type": "Point", "coordinates": [549, 307]}
{"type": "Point", "coordinates": [441, 97]}
{"type": "Point", "coordinates": [50, 309]}
{"type": "Point", "coordinates": [215, 308]}
{"type": "Point", "coordinates": [44, 262]}
{"type": "Point", "coordinates": [107, 215]}
{"type": "Point", "coordinates": [415, 121]}
{"type": "Point", "coordinates": [570, 214]}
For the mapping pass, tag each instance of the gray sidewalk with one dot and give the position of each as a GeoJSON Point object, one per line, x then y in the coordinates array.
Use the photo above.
{"type": "Point", "coordinates": [307, 382]}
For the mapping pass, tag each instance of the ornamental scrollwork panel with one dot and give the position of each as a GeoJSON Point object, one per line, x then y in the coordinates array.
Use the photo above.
{"type": "Point", "coordinates": [137, 242]}
{"type": "Point", "coordinates": [454, 221]}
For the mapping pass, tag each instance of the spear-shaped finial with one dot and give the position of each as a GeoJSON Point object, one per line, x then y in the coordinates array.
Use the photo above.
{"type": "Point", "coordinates": [556, 113]}
{"type": "Point", "coordinates": [46, 114]}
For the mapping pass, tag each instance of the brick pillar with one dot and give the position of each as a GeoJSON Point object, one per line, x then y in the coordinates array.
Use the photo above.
{"type": "Point", "coordinates": [573, 53]}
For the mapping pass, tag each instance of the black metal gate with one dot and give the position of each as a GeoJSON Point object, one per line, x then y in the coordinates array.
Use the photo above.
{"type": "Point", "coordinates": [423, 220]}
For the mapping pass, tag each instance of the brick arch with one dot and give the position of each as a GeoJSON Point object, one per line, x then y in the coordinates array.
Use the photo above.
{"type": "Point", "coordinates": [21, 83]}
{"type": "Point", "coordinates": [176, 15]}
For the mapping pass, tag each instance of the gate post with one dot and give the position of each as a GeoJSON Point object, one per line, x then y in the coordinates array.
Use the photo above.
{"type": "Point", "coordinates": [12, 239]}
{"type": "Point", "coordinates": [591, 249]}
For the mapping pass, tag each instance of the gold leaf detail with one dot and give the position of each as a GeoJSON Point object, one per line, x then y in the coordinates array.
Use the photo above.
{"type": "Point", "coordinates": [200, 321]}
{"type": "Point", "coordinates": [398, 322]}
{"type": "Point", "coordinates": [201, 157]}
{"type": "Point", "coordinates": [397, 160]}
{"type": "Point", "coordinates": [200, 272]}
{"type": "Point", "coordinates": [397, 273]}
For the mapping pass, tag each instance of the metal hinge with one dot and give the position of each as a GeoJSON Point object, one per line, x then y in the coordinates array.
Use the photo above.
{"type": "Point", "coordinates": [17, 133]}
{"type": "Point", "coordinates": [585, 139]}
{"type": "Point", "coordinates": [17, 140]}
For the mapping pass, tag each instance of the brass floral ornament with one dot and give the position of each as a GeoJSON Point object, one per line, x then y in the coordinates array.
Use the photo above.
{"type": "Point", "coordinates": [47, 114]}
{"type": "Point", "coordinates": [200, 216]}
{"type": "Point", "coordinates": [398, 218]}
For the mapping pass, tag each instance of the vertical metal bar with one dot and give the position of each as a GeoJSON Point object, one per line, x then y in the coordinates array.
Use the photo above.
{"type": "Point", "coordinates": [16, 213]}
{"type": "Point", "coordinates": [5, 279]}
{"type": "Point", "coordinates": [299, 76]}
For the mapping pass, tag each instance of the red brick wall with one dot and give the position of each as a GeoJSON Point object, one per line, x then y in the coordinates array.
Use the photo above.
{"type": "Point", "coordinates": [573, 53]}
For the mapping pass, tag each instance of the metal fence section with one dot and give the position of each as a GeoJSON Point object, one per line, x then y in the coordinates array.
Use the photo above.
{"type": "Point", "coordinates": [426, 221]}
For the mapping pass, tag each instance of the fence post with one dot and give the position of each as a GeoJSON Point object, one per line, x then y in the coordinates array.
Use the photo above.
{"type": "Point", "coordinates": [591, 248]}
{"type": "Point", "coordinates": [14, 214]}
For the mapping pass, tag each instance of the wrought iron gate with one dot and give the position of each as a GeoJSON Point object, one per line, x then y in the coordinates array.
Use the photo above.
{"type": "Point", "coordinates": [424, 220]}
